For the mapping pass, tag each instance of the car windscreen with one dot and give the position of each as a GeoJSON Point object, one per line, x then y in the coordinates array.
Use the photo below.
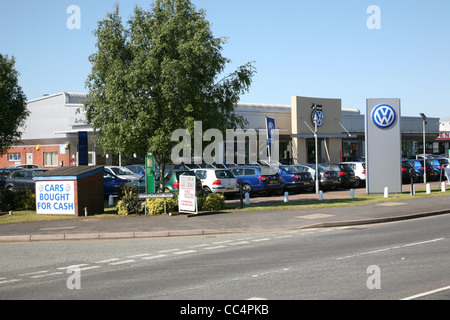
{"type": "Point", "coordinates": [267, 171]}
{"type": "Point", "coordinates": [407, 164]}
{"type": "Point", "coordinates": [291, 169]}
{"type": "Point", "coordinates": [345, 167]}
{"type": "Point", "coordinates": [223, 174]}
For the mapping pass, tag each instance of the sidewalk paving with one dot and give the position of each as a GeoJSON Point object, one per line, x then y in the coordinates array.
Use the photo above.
{"type": "Point", "coordinates": [223, 223]}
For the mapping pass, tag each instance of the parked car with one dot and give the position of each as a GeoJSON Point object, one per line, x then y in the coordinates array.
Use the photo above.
{"type": "Point", "coordinates": [258, 179]}
{"type": "Point", "coordinates": [24, 166]}
{"type": "Point", "coordinates": [4, 173]}
{"type": "Point", "coordinates": [173, 182]}
{"type": "Point", "coordinates": [295, 180]}
{"type": "Point", "coordinates": [408, 172]}
{"type": "Point", "coordinates": [22, 179]}
{"type": "Point", "coordinates": [122, 173]}
{"type": "Point", "coordinates": [360, 172]}
{"type": "Point", "coordinates": [419, 169]}
{"type": "Point", "coordinates": [438, 165]}
{"type": "Point", "coordinates": [137, 169]}
{"type": "Point", "coordinates": [346, 173]}
{"type": "Point", "coordinates": [171, 185]}
{"type": "Point", "coordinates": [328, 179]}
{"type": "Point", "coordinates": [217, 181]}
{"type": "Point", "coordinates": [111, 183]}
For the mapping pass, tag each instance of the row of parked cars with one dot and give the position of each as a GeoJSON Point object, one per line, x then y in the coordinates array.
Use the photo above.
{"type": "Point", "coordinates": [414, 169]}
{"type": "Point", "coordinates": [257, 178]}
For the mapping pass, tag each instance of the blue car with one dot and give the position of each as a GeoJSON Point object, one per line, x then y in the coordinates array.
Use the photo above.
{"type": "Point", "coordinates": [294, 179]}
{"type": "Point", "coordinates": [438, 166]}
{"type": "Point", "coordinates": [418, 168]}
{"type": "Point", "coordinates": [257, 179]}
{"type": "Point", "coordinates": [111, 183]}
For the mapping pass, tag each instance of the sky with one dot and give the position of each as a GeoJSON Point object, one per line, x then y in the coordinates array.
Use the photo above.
{"type": "Point", "coordinates": [349, 49]}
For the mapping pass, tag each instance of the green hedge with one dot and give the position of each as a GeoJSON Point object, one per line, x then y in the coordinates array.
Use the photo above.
{"type": "Point", "coordinates": [17, 200]}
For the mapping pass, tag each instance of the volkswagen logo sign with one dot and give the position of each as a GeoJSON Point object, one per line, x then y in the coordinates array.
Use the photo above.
{"type": "Point", "coordinates": [317, 115]}
{"type": "Point", "coordinates": [383, 116]}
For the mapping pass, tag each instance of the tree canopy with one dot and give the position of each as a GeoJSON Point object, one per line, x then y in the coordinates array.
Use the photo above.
{"type": "Point", "coordinates": [13, 107]}
{"type": "Point", "coordinates": [159, 72]}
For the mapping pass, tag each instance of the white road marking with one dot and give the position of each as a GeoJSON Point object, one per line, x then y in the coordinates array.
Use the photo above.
{"type": "Point", "coordinates": [75, 266]}
{"type": "Point", "coordinates": [155, 257]}
{"type": "Point", "coordinates": [10, 281]}
{"type": "Point", "coordinates": [32, 273]}
{"type": "Point", "coordinates": [213, 248]}
{"type": "Point", "coordinates": [263, 239]}
{"type": "Point", "coordinates": [426, 293]}
{"type": "Point", "coordinates": [47, 274]}
{"type": "Point", "coordinates": [390, 248]}
{"type": "Point", "coordinates": [140, 255]}
{"type": "Point", "coordinates": [237, 243]}
{"type": "Point", "coordinates": [121, 262]}
{"type": "Point", "coordinates": [108, 260]}
{"type": "Point", "coordinates": [185, 252]}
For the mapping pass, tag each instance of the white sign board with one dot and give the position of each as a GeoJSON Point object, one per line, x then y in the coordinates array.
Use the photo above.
{"type": "Point", "coordinates": [55, 197]}
{"type": "Point", "coordinates": [187, 201]}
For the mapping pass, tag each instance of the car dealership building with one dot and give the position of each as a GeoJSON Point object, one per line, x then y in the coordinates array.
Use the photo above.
{"type": "Point", "coordinates": [56, 131]}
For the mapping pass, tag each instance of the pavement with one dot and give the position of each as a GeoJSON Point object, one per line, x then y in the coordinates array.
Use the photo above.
{"type": "Point", "coordinates": [135, 227]}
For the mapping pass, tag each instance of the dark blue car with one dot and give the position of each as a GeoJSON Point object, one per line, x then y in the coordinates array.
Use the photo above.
{"type": "Point", "coordinates": [111, 183]}
{"type": "Point", "coordinates": [257, 179]}
{"type": "Point", "coordinates": [438, 166]}
{"type": "Point", "coordinates": [294, 179]}
{"type": "Point", "coordinates": [419, 168]}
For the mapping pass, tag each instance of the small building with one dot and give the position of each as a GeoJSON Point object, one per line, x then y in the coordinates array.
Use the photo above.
{"type": "Point", "coordinates": [70, 191]}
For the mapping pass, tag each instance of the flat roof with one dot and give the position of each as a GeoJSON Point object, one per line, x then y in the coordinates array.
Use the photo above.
{"type": "Point", "coordinates": [69, 173]}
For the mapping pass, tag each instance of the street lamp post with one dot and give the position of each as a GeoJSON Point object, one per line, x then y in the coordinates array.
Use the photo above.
{"type": "Point", "coordinates": [424, 118]}
{"type": "Point", "coordinates": [315, 119]}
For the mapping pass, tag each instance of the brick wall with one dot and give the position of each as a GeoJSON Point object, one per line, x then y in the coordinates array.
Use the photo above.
{"type": "Point", "coordinates": [38, 156]}
{"type": "Point", "coordinates": [89, 192]}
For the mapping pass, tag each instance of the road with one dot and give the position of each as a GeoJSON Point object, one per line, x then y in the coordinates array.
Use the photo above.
{"type": "Point", "coordinates": [401, 260]}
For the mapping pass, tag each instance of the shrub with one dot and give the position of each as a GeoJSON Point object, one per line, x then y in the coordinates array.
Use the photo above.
{"type": "Point", "coordinates": [155, 206]}
{"type": "Point", "coordinates": [7, 200]}
{"type": "Point", "coordinates": [14, 200]}
{"type": "Point", "coordinates": [213, 202]}
{"type": "Point", "coordinates": [129, 204]}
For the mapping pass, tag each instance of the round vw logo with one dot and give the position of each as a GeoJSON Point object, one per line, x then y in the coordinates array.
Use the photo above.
{"type": "Point", "coordinates": [317, 115]}
{"type": "Point", "coordinates": [383, 116]}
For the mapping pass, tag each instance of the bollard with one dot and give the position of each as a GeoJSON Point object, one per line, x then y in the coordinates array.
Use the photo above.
{"type": "Point", "coordinates": [428, 188]}
{"type": "Point", "coordinates": [413, 190]}
{"type": "Point", "coordinates": [111, 200]}
{"type": "Point", "coordinates": [386, 192]}
{"type": "Point", "coordinates": [247, 198]}
{"type": "Point", "coordinates": [352, 194]}
{"type": "Point", "coordinates": [320, 195]}
{"type": "Point", "coordinates": [286, 196]}
{"type": "Point", "coordinates": [85, 212]}
{"type": "Point", "coordinates": [442, 186]}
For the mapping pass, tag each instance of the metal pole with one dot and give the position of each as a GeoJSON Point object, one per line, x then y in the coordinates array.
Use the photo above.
{"type": "Point", "coordinates": [317, 157]}
{"type": "Point", "coordinates": [424, 158]}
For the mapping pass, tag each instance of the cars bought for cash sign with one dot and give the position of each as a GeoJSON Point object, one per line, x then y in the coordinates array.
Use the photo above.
{"type": "Point", "coordinates": [187, 201]}
{"type": "Point", "coordinates": [55, 197]}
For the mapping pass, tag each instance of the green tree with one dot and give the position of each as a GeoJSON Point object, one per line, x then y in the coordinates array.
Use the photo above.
{"type": "Point", "coordinates": [160, 72]}
{"type": "Point", "coordinates": [13, 107]}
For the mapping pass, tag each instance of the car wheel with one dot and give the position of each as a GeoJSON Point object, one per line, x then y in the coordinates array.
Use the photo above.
{"type": "Point", "coordinates": [206, 191]}
{"type": "Point", "coordinates": [246, 188]}
{"type": "Point", "coordinates": [357, 183]}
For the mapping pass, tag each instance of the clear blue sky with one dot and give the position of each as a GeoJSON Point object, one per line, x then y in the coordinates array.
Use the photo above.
{"type": "Point", "coordinates": [320, 48]}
